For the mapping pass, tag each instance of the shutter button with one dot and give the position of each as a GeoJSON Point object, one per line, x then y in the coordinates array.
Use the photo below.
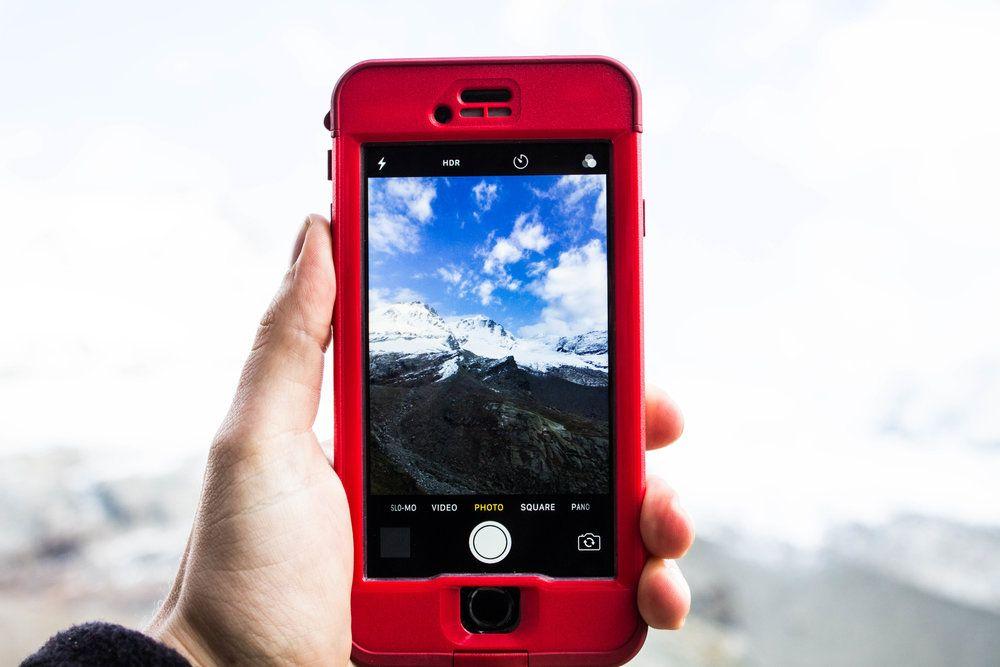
{"type": "Point", "coordinates": [490, 542]}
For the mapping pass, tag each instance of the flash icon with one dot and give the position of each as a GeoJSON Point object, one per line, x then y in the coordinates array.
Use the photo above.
{"type": "Point", "coordinates": [381, 163]}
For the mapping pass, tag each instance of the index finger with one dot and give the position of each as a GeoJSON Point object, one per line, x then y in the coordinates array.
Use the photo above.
{"type": "Point", "coordinates": [664, 422]}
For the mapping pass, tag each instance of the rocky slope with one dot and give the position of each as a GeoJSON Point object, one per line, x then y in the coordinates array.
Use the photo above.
{"type": "Point", "coordinates": [460, 405]}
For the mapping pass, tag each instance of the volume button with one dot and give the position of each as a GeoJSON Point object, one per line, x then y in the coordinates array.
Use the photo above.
{"type": "Point", "coordinates": [643, 217]}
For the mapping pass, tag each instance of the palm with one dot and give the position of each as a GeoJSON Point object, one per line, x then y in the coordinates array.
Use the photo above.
{"type": "Point", "coordinates": [275, 570]}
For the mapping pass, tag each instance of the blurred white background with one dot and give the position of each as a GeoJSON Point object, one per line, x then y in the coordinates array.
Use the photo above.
{"type": "Point", "coordinates": [823, 281]}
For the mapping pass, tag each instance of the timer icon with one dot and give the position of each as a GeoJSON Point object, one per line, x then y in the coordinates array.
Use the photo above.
{"type": "Point", "coordinates": [521, 161]}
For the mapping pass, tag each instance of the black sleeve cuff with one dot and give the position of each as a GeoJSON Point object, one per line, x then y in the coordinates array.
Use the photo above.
{"type": "Point", "coordinates": [103, 644]}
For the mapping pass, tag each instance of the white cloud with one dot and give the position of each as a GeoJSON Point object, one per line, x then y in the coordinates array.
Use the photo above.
{"type": "Point", "coordinates": [397, 208]}
{"type": "Point", "coordinates": [572, 189]}
{"type": "Point", "coordinates": [575, 292]}
{"type": "Point", "coordinates": [599, 221]}
{"type": "Point", "coordinates": [485, 292]}
{"type": "Point", "coordinates": [486, 194]}
{"type": "Point", "coordinates": [416, 194]}
{"type": "Point", "coordinates": [459, 279]}
{"type": "Point", "coordinates": [392, 232]}
{"type": "Point", "coordinates": [844, 274]}
{"type": "Point", "coordinates": [528, 235]}
{"type": "Point", "coordinates": [535, 268]}
{"type": "Point", "coordinates": [450, 274]}
{"type": "Point", "coordinates": [504, 252]}
{"type": "Point", "coordinates": [573, 194]}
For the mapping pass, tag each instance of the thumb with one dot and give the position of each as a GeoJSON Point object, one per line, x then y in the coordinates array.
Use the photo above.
{"type": "Point", "coordinates": [278, 393]}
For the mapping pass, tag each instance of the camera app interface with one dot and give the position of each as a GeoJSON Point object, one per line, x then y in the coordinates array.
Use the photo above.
{"type": "Point", "coordinates": [489, 438]}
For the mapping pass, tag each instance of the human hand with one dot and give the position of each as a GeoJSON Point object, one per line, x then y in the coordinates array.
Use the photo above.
{"type": "Point", "coordinates": [266, 575]}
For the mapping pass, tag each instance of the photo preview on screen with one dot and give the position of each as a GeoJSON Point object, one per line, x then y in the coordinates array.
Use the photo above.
{"type": "Point", "coordinates": [488, 397]}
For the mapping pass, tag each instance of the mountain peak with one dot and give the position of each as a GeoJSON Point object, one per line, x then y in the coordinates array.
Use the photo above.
{"type": "Point", "coordinates": [409, 327]}
{"type": "Point", "coordinates": [479, 322]}
{"type": "Point", "coordinates": [592, 342]}
{"type": "Point", "coordinates": [407, 306]}
{"type": "Point", "coordinates": [482, 335]}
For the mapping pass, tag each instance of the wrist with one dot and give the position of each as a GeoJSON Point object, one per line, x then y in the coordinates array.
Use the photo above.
{"type": "Point", "coordinates": [177, 633]}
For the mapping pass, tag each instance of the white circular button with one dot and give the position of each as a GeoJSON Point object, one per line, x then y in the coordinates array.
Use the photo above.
{"type": "Point", "coordinates": [489, 542]}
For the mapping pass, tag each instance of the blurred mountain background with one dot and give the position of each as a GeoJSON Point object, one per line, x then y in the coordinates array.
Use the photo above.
{"type": "Point", "coordinates": [821, 288]}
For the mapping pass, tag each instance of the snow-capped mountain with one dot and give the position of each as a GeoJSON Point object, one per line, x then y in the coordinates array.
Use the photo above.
{"type": "Point", "coordinates": [481, 335]}
{"type": "Point", "coordinates": [410, 330]}
{"type": "Point", "coordinates": [447, 394]}
{"type": "Point", "coordinates": [592, 342]}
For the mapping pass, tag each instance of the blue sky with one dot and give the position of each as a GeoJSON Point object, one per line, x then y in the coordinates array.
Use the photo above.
{"type": "Point", "coordinates": [527, 251]}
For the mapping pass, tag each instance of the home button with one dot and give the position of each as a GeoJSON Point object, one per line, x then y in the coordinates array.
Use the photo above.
{"type": "Point", "coordinates": [490, 609]}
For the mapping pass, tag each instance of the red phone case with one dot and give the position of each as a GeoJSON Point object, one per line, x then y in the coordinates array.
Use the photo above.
{"type": "Point", "coordinates": [563, 622]}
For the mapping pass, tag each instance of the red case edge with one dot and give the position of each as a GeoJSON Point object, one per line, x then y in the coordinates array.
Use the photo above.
{"type": "Point", "coordinates": [628, 209]}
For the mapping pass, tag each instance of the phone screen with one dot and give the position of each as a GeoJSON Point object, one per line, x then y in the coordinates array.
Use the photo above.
{"type": "Point", "coordinates": [488, 392]}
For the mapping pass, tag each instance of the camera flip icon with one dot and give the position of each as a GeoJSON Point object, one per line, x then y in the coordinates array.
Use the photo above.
{"type": "Point", "coordinates": [588, 542]}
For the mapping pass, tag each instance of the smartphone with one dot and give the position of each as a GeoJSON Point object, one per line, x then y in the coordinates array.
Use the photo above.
{"type": "Point", "coordinates": [488, 363]}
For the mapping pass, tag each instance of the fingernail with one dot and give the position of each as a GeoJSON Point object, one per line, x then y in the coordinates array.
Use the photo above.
{"type": "Point", "coordinates": [680, 580]}
{"type": "Point", "coordinates": [300, 241]}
